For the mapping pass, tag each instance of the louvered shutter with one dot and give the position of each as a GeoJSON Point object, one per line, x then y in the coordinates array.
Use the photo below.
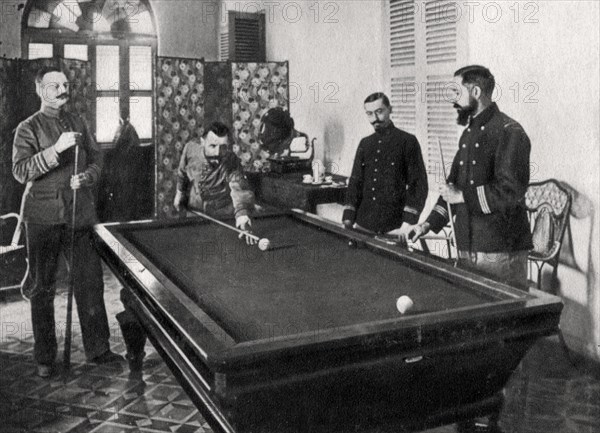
{"type": "Point", "coordinates": [441, 123]}
{"type": "Point", "coordinates": [424, 51]}
{"type": "Point", "coordinates": [224, 46]}
{"type": "Point", "coordinates": [402, 33]}
{"type": "Point", "coordinates": [403, 50]}
{"type": "Point", "coordinates": [246, 37]}
{"type": "Point", "coordinates": [441, 31]}
{"type": "Point", "coordinates": [404, 103]}
{"type": "Point", "coordinates": [441, 55]}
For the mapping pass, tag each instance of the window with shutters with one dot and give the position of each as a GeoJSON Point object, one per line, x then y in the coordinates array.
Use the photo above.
{"type": "Point", "coordinates": [425, 48]}
{"type": "Point", "coordinates": [243, 37]}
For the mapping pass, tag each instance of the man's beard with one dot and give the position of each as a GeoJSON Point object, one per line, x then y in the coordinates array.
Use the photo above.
{"type": "Point", "coordinates": [464, 113]}
{"type": "Point", "coordinates": [213, 160]}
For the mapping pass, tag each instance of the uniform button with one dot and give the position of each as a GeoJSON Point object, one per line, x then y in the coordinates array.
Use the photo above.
{"type": "Point", "coordinates": [380, 142]}
{"type": "Point", "coordinates": [373, 189]}
{"type": "Point", "coordinates": [378, 151]}
{"type": "Point", "coordinates": [464, 146]}
{"type": "Point", "coordinates": [374, 199]}
{"type": "Point", "coordinates": [376, 160]}
{"type": "Point", "coordinates": [474, 162]}
{"type": "Point", "coordinates": [374, 180]}
{"type": "Point", "coordinates": [462, 163]}
{"type": "Point", "coordinates": [469, 129]}
{"type": "Point", "coordinates": [393, 163]}
{"type": "Point", "coordinates": [476, 144]}
{"type": "Point", "coordinates": [472, 182]}
{"type": "Point", "coordinates": [483, 128]}
{"type": "Point", "coordinates": [375, 170]}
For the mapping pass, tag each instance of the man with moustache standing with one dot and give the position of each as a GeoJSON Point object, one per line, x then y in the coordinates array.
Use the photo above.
{"type": "Point", "coordinates": [388, 185]}
{"type": "Point", "coordinates": [487, 184]}
{"type": "Point", "coordinates": [44, 159]}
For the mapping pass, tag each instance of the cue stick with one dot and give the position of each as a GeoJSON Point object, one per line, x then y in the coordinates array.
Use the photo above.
{"type": "Point", "coordinates": [68, 331]}
{"type": "Point", "coordinates": [449, 207]}
{"type": "Point", "coordinates": [221, 223]}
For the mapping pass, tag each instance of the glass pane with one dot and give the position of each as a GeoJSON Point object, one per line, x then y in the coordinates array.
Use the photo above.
{"type": "Point", "coordinates": [107, 119]}
{"type": "Point", "coordinates": [107, 67]}
{"type": "Point", "coordinates": [40, 51]}
{"type": "Point", "coordinates": [140, 68]}
{"type": "Point", "coordinates": [39, 19]}
{"type": "Point", "coordinates": [140, 116]}
{"type": "Point", "coordinates": [79, 52]}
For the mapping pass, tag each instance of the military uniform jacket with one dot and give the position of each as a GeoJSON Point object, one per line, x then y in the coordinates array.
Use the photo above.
{"type": "Point", "coordinates": [221, 191]}
{"type": "Point", "coordinates": [388, 184]}
{"type": "Point", "coordinates": [491, 168]}
{"type": "Point", "coordinates": [48, 197]}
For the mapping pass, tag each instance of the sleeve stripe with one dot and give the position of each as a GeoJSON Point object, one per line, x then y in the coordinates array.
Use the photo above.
{"type": "Point", "coordinates": [41, 163]}
{"type": "Point", "coordinates": [349, 207]}
{"type": "Point", "coordinates": [483, 200]}
{"type": "Point", "coordinates": [441, 210]}
{"type": "Point", "coordinates": [411, 210]}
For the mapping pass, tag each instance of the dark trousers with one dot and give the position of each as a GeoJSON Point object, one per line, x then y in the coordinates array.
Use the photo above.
{"type": "Point", "coordinates": [134, 334]}
{"type": "Point", "coordinates": [44, 245]}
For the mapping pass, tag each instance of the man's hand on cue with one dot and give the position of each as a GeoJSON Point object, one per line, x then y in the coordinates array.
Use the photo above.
{"type": "Point", "coordinates": [67, 140]}
{"type": "Point", "coordinates": [244, 223]}
{"type": "Point", "coordinates": [419, 230]}
{"type": "Point", "coordinates": [403, 233]}
{"type": "Point", "coordinates": [451, 194]}
{"type": "Point", "coordinates": [79, 181]}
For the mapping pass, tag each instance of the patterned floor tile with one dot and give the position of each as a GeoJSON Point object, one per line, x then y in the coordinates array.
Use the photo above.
{"type": "Point", "coordinates": [60, 424]}
{"type": "Point", "coordinates": [29, 419]}
{"type": "Point", "coordinates": [176, 413]}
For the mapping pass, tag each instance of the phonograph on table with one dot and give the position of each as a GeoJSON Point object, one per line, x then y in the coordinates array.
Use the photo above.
{"type": "Point", "coordinates": [299, 159]}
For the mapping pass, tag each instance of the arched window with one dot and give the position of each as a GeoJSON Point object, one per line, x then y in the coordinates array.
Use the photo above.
{"type": "Point", "coordinates": [118, 38]}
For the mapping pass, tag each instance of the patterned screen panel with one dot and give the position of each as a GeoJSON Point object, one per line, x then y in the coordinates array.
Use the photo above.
{"type": "Point", "coordinates": [179, 119]}
{"type": "Point", "coordinates": [256, 87]}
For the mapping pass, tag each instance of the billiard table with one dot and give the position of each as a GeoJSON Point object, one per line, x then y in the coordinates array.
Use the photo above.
{"type": "Point", "coordinates": [306, 336]}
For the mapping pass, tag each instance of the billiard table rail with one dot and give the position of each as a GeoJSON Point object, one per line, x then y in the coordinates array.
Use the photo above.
{"type": "Point", "coordinates": [220, 372]}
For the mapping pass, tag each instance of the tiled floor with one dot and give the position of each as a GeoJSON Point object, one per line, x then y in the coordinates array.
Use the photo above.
{"type": "Point", "coordinates": [546, 394]}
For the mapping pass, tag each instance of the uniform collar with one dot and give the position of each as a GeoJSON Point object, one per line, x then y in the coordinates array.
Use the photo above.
{"type": "Point", "coordinates": [50, 111]}
{"type": "Point", "coordinates": [485, 116]}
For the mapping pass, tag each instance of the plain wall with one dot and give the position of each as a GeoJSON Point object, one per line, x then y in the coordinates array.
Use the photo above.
{"type": "Point", "coordinates": [554, 63]}
{"type": "Point", "coordinates": [336, 51]}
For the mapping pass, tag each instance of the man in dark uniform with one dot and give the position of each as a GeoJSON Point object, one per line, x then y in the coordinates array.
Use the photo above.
{"type": "Point", "coordinates": [44, 159]}
{"type": "Point", "coordinates": [388, 185]}
{"type": "Point", "coordinates": [487, 184]}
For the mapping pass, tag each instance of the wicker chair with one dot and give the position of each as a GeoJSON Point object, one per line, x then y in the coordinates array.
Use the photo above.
{"type": "Point", "coordinates": [13, 255]}
{"type": "Point", "coordinates": [549, 206]}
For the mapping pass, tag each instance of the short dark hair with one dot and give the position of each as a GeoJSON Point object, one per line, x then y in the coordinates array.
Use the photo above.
{"type": "Point", "coordinates": [217, 128]}
{"type": "Point", "coordinates": [379, 95]}
{"type": "Point", "coordinates": [479, 76]}
{"type": "Point", "coordinates": [39, 76]}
